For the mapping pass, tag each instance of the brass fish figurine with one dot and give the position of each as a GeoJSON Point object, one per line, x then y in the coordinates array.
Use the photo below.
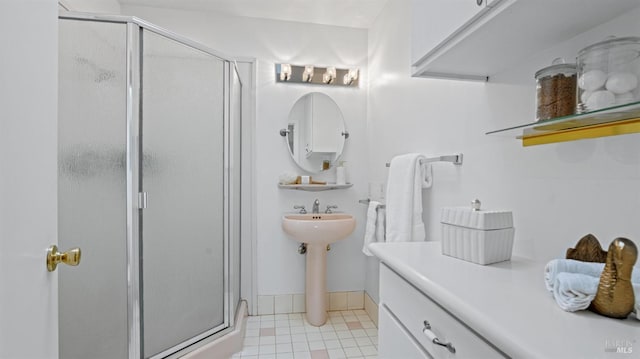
{"type": "Point", "coordinates": [615, 297]}
{"type": "Point", "coordinates": [587, 249]}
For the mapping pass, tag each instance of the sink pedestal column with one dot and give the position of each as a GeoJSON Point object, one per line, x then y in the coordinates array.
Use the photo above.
{"type": "Point", "coordinates": [316, 284]}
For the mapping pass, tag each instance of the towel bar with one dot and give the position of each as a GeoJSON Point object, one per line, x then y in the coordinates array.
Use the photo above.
{"type": "Point", "coordinates": [455, 159]}
{"type": "Point", "coordinates": [366, 201]}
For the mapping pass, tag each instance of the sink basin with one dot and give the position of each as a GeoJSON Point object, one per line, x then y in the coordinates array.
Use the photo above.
{"type": "Point", "coordinates": [317, 231]}
{"type": "Point", "coordinates": [318, 228]}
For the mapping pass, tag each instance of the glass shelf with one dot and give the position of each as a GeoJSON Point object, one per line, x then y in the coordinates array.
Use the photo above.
{"type": "Point", "coordinates": [315, 187]}
{"type": "Point", "coordinates": [611, 121]}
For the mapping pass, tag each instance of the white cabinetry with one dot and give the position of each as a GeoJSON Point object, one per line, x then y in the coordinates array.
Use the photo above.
{"type": "Point", "coordinates": [397, 342]}
{"type": "Point", "coordinates": [435, 21]}
{"type": "Point", "coordinates": [476, 43]}
{"type": "Point", "coordinates": [404, 309]}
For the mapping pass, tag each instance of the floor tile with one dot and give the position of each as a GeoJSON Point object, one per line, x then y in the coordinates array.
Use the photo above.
{"type": "Point", "coordinates": [316, 345]}
{"type": "Point", "coordinates": [284, 348]}
{"type": "Point", "coordinates": [352, 352]}
{"type": "Point", "coordinates": [347, 334]}
{"type": "Point", "coordinates": [300, 346]}
{"type": "Point", "coordinates": [332, 344]}
{"type": "Point", "coordinates": [350, 342]}
{"type": "Point", "coordinates": [369, 350]}
{"type": "Point", "coordinates": [267, 349]}
{"type": "Point", "coordinates": [336, 354]}
{"type": "Point", "coordinates": [319, 354]}
{"type": "Point", "coordinates": [283, 339]}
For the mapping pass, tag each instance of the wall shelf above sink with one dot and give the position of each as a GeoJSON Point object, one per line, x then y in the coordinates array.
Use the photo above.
{"type": "Point", "coordinates": [315, 187]}
{"type": "Point", "coordinates": [612, 121]}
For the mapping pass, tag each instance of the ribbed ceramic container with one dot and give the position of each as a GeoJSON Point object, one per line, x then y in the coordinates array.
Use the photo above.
{"type": "Point", "coordinates": [477, 236]}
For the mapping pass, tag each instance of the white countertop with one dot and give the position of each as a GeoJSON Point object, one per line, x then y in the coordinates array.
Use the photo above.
{"type": "Point", "coordinates": [507, 304]}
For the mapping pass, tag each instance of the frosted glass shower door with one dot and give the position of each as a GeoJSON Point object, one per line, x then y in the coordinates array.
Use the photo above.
{"type": "Point", "coordinates": [92, 136]}
{"type": "Point", "coordinates": [183, 227]}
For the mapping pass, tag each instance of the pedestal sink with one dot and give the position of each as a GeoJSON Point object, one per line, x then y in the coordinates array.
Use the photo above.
{"type": "Point", "coordinates": [317, 230]}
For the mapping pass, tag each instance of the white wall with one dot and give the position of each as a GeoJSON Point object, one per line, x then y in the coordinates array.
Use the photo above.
{"type": "Point", "coordinates": [557, 192]}
{"type": "Point", "coordinates": [28, 178]}
{"type": "Point", "coordinates": [95, 6]}
{"type": "Point", "coordinates": [280, 268]}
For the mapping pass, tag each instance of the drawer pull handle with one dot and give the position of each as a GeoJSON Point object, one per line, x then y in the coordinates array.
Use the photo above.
{"type": "Point", "coordinates": [434, 339]}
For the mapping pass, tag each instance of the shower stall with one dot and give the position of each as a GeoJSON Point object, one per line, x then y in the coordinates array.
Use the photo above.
{"type": "Point", "coordinates": [148, 187]}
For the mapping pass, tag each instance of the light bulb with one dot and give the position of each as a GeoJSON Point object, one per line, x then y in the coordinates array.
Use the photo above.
{"type": "Point", "coordinates": [307, 75]}
{"type": "Point", "coordinates": [285, 72]}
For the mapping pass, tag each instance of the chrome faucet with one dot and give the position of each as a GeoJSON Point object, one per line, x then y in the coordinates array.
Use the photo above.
{"type": "Point", "coordinates": [316, 206]}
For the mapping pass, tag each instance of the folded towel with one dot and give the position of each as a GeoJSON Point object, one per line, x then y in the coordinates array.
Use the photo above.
{"type": "Point", "coordinates": [556, 266]}
{"type": "Point", "coordinates": [373, 227]}
{"type": "Point", "coordinates": [576, 291]}
{"type": "Point", "coordinates": [407, 178]}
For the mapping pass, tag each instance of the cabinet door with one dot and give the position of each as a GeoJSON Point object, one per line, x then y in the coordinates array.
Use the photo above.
{"type": "Point", "coordinates": [433, 21]}
{"type": "Point", "coordinates": [395, 341]}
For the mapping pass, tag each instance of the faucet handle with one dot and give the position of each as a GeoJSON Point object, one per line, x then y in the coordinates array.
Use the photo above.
{"type": "Point", "coordinates": [301, 208]}
{"type": "Point", "coordinates": [330, 207]}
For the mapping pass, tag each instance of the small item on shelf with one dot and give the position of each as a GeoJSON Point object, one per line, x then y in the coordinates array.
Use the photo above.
{"type": "Point", "coordinates": [615, 297]}
{"type": "Point", "coordinates": [556, 90]}
{"type": "Point", "coordinates": [587, 249]}
{"type": "Point", "coordinates": [305, 180]}
{"type": "Point", "coordinates": [608, 74]}
{"type": "Point", "coordinates": [477, 235]}
{"type": "Point", "coordinates": [288, 178]}
{"type": "Point", "coordinates": [326, 164]}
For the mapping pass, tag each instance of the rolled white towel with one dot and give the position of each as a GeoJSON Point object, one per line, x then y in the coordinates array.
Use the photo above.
{"type": "Point", "coordinates": [556, 266]}
{"type": "Point", "coordinates": [576, 291]}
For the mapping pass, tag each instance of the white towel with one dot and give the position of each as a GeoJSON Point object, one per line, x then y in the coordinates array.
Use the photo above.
{"type": "Point", "coordinates": [556, 266]}
{"type": "Point", "coordinates": [380, 224]}
{"type": "Point", "coordinates": [407, 178]}
{"type": "Point", "coordinates": [374, 228]}
{"type": "Point", "coordinates": [576, 291]}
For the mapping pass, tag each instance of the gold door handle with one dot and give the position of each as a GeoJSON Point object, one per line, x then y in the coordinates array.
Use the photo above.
{"type": "Point", "coordinates": [70, 257]}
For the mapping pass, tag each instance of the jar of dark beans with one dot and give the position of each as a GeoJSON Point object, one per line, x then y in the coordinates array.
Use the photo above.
{"type": "Point", "coordinates": [556, 90]}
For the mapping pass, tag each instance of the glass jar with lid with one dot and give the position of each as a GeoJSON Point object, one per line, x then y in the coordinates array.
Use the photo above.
{"type": "Point", "coordinates": [555, 90]}
{"type": "Point", "coordinates": [608, 74]}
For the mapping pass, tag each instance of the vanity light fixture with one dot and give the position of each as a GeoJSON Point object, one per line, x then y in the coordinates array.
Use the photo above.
{"type": "Point", "coordinates": [285, 72]}
{"type": "Point", "coordinates": [307, 75]}
{"type": "Point", "coordinates": [350, 76]}
{"type": "Point", "coordinates": [317, 75]}
{"type": "Point", "coordinates": [329, 76]}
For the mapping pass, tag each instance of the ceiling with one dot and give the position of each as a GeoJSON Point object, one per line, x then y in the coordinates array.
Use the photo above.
{"type": "Point", "coordinates": [349, 13]}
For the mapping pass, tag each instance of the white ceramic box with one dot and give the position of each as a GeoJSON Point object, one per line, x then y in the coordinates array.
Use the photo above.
{"type": "Point", "coordinates": [478, 236]}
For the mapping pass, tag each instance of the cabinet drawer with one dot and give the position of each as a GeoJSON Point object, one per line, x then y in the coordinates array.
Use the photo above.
{"type": "Point", "coordinates": [395, 342]}
{"type": "Point", "coordinates": [412, 308]}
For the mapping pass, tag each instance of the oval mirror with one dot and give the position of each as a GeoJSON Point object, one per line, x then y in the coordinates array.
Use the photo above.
{"type": "Point", "coordinates": [315, 132]}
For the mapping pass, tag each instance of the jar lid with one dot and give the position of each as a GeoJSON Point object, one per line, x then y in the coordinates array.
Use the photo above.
{"type": "Point", "coordinates": [558, 67]}
{"type": "Point", "coordinates": [610, 43]}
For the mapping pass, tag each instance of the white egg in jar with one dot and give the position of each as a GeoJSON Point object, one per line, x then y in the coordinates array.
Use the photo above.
{"type": "Point", "coordinates": [600, 99]}
{"type": "Point", "coordinates": [621, 82]}
{"type": "Point", "coordinates": [592, 80]}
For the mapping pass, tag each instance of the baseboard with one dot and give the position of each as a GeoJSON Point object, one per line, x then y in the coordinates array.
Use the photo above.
{"type": "Point", "coordinates": [371, 307]}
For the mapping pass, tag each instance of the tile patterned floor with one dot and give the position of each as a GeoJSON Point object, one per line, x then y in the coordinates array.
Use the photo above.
{"type": "Point", "coordinates": [347, 334]}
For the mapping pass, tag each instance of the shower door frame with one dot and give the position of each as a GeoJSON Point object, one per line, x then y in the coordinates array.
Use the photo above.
{"type": "Point", "coordinates": [135, 28]}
